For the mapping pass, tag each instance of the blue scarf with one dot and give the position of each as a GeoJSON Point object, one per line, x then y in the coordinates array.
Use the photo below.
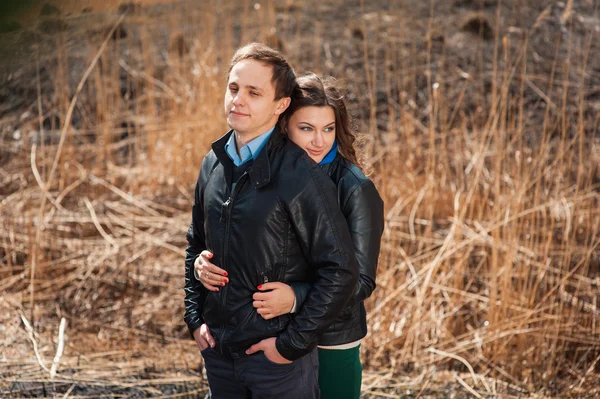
{"type": "Point", "coordinates": [330, 155]}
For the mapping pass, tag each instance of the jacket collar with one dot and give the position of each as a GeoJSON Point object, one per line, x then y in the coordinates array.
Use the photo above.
{"type": "Point", "coordinates": [218, 147]}
{"type": "Point", "coordinates": [260, 171]}
{"type": "Point", "coordinates": [328, 168]}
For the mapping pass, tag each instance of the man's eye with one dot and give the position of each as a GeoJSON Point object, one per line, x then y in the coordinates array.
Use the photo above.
{"type": "Point", "coordinates": [255, 94]}
{"type": "Point", "coordinates": [233, 89]}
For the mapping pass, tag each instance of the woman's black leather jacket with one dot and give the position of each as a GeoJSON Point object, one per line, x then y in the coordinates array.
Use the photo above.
{"type": "Point", "coordinates": [363, 209]}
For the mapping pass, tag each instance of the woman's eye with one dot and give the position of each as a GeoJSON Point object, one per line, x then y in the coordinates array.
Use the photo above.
{"type": "Point", "coordinates": [305, 128]}
{"type": "Point", "coordinates": [329, 129]}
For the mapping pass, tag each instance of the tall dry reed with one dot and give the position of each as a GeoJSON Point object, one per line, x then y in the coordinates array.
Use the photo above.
{"type": "Point", "coordinates": [487, 162]}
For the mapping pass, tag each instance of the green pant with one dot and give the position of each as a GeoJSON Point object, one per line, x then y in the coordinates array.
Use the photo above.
{"type": "Point", "coordinates": [340, 373]}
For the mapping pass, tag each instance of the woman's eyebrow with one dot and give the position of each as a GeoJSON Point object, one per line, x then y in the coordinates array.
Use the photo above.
{"type": "Point", "coordinates": [309, 124]}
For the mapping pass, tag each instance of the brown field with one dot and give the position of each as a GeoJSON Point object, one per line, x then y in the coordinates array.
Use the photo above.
{"type": "Point", "coordinates": [480, 122]}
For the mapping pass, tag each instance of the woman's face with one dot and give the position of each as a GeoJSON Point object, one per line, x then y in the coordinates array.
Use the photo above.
{"type": "Point", "coordinates": [313, 130]}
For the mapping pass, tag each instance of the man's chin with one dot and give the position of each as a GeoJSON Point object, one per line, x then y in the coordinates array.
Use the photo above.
{"type": "Point", "coordinates": [234, 126]}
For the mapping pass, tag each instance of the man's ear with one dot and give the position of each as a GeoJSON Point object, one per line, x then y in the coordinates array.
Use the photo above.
{"type": "Point", "coordinates": [283, 104]}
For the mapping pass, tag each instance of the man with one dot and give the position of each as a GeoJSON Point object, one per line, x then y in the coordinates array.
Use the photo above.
{"type": "Point", "coordinates": [263, 211]}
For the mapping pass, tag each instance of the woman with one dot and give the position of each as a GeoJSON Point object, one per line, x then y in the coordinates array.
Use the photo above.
{"type": "Point", "coordinates": [318, 122]}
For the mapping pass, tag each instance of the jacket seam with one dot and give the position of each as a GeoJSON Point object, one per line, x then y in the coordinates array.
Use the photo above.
{"type": "Point", "coordinates": [326, 206]}
{"type": "Point", "coordinates": [354, 191]}
{"type": "Point", "coordinates": [286, 233]}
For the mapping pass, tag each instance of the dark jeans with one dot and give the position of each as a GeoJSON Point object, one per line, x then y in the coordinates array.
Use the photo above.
{"type": "Point", "coordinates": [256, 377]}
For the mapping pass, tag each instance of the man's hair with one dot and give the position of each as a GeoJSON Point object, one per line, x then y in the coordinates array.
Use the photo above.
{"type": "Point", "coordinates": [314, 91]}
{"type": "Point", "coordinates": [284, 77]}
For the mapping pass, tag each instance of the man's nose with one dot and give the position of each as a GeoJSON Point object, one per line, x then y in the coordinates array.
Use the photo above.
{"type": "Point", "coordinates": [238, 99]}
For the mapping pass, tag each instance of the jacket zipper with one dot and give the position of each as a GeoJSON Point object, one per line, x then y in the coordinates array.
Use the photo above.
{"type": "Point", "coordinates": [264, 278]}
{"type": "Point", "coordinates": [226, 209]}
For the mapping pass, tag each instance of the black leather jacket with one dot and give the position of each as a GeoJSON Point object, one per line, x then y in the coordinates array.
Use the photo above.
{"type": "Point", "coordinates": [280, 223]}
{"type": "Point", "coordinates": [363, 209]}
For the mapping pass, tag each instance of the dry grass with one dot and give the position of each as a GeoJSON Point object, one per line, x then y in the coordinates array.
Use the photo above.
{"type": "Point", "coordinates": [486, 158]}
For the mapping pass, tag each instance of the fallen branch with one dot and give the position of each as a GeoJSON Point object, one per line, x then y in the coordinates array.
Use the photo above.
{"type": "Point", "coordinates": [59, 350]}
{"type": "Point", "coordinates": [34, 342]}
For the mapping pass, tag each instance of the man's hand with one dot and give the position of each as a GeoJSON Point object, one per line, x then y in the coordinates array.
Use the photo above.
{"type": "Point", "coordinates": [210, 275]}
{"type": "Point", "coordinates": [203, 337]}
{"type": "Point", "coordinates": [270, 350]}
{"type": "Point", "coordinates": [273, 299]}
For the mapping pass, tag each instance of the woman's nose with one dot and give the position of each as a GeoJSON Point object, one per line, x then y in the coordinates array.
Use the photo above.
{"type": "Point", "coordinates": [318, 139]}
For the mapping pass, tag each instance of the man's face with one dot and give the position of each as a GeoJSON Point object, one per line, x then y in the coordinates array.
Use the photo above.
{"type": "Point", "coordinates": [250, 106]}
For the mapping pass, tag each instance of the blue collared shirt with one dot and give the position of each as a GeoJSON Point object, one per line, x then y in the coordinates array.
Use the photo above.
{"type": "Point", "coordinates": [249, 151]}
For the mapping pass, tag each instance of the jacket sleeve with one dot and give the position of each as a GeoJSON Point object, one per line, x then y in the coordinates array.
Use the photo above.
{"type": "Point", "coordinates": [363, 211]}
{"type": "Point", "coordinates": [195, 292]}
{"type": "Point", "coordinates": [323, 235]}
{"type": "Point", "coordinates": [301, 290]}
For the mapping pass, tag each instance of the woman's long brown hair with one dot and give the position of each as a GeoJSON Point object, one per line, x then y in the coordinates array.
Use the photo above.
{"type": "Point", "coordinates": [314, 91]}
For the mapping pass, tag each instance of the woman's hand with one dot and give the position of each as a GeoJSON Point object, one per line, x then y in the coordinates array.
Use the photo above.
{"type": "Point", "coordinates": [273, 299]}
{"type": "Point", "coordinates": [211, 276]}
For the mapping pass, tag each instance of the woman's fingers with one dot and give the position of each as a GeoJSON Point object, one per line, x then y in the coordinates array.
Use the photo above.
{"type": "Point", "coordinates": [206, 254]}
{"type": "Point", "coordinates": [262, 306]}
{"type": "Point", "coordinates": [271, 286]}
{"type": "Point", "coordinates": [203, 262]}
{"type": "Point", "coordinates": [213, 278]}
{"type": "Point", "coordinates": [265, 309]}
{"type": "Point", "coordinates": [215, 269]}
{"type": "Point", "coordinates": [210, 287]}
{"type": "Point", "coordinates": [265, 313]}
{"type": "Point", "coordinates": [261, 296]}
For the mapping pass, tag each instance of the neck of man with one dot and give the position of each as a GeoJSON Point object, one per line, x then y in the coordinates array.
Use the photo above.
{"type": "Point", "coordinates": [243, 139]}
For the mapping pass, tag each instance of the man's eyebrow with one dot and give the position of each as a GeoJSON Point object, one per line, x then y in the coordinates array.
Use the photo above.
{"type": "Point", "coordinates": [250, 87]}
{"type": "Point", "coordinates": [254, 88]}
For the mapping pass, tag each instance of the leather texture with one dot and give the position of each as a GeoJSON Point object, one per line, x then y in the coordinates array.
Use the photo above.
{"type": "Point", "coordinates": [281, 223]}
{"type": "Point", "coordinates": [362, 207]}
